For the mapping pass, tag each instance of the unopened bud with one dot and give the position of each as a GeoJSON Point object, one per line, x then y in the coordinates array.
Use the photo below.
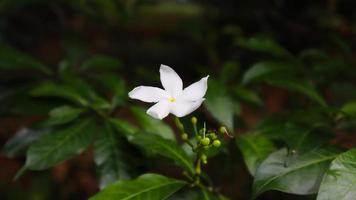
{"type": "Point", "coordinates": [194, 120]}
{"type": "Point", "coordinates": [184, 136]}
{"type": "Point", "coordinates": [212, 135]}
{"type": "Point", "coordinates": [205, 141]}
{"type": "Point", "coordinates": [179, 124]}
{"type": "Point", "coordinates": [204, 159]}
{"type": "Point", "coordinates": [223, 130]}
{"type": "Point", "coordinates": [216, 143]}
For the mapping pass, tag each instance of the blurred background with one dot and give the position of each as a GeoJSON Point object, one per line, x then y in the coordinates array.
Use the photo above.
{"type": "Point", "coordinates": [125, 42]}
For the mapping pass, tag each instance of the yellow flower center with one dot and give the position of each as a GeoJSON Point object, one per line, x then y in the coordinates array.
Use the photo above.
{"type": "Point", "coordinates": [171, 99]}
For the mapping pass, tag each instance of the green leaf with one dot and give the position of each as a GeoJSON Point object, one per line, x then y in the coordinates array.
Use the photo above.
{"type": "Point", "coordinates": [64, 114]}
{"type": "Point", "coordinates": [21, 140]}
{"type": "Point", "coordinates": [248, 96]}
{"type": "Point", "coordinates": [123, 126]}
{"type": "Point", "coordinates": [267, 69]}
{"type": "Point", "coordinates": [60, 145]}
{"type": "Point", "coordinates": [301, 139]}
{"type": "Point", "coordinates": [302, 87]}
{"type": "Point", "coordinates": [50, 89]}
{"type": "Point", "coordinates": [11, 59]}
{"type": "Point", "coordinates": [152, 125]}
{"type": "Point", "coordinates": [109, 157]}
{"type": "Point", "coordinates": [147, 186]}
{"type": "Point", "coordinates": [262, 44]}
{"type": "Point", "coordinates": [339, 181]}
{"type": "Point", "coordinates": [116, 85]}
{"type": "Point", "coordinates": [282, 171]}
{"type": "Point", "coordinates": [101, 62]}
{"type": "Point", "coordinates": [220, 104]}
{"type": "Point", "coordinates": [349, 109]}
{"type": "Point", "coordinates": [167, 148]}
{"type": "Point", "coordinates": [112, 82]}
{"type": "Point", "coordinates": [223, 109]}
{"type": "Point", "coordinates": [254, 148]}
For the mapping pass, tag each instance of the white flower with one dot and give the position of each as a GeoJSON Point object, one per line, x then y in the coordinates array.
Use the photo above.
{"type": "Point", "coordinates": [173, 99]}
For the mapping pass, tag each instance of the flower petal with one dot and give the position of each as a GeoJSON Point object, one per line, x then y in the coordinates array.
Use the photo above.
{"type": "Point", "coordinates": [170, 80]}
{"type": "Point", "coordinates": [160, 110]}
{"type": "Point", "coordinates": [182, 108]}
{"type": "Point", "coordinates": [196, 90]}
{"type": "Point", "coordinates": [148, 94]}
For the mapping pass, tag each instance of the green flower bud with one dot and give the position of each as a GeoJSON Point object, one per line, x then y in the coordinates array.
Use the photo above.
{"type": "Point", "coordinates": [184, 136]}
{"type": "Point", "coordinates": [179, 124]}
{"type": "Point", "coordinates": [204, 159]}
{"type": "Point", "coordinates": [194, 120]}
{"type": "Point", "coordinates": [205, 141]}
{"type": "Point", "coordinates": [216, 143]}
{"type": "Point", "coordinates": [223, 130]}
{"type": "Point", "coordinates": [212, 135]}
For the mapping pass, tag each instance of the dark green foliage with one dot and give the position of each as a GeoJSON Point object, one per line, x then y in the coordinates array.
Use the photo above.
{"type": "Point", "coordinates": [282, 81]}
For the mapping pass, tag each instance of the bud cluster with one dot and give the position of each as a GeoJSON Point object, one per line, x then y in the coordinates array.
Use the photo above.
{"type": "Point", "coordinates": [201, 140]}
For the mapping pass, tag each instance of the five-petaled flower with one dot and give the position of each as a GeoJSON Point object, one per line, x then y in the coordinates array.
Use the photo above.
{"type": "Point", "coordinates": [173, 99]}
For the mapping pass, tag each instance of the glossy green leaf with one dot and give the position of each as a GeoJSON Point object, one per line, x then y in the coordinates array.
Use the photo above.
{"type": "Point", "coordinates": [254, 148]}
{"type": "Point", "coordinates": [123, 126]}
{"type": "Point", "coordinates": [292, 173]}
{"type": "Point", "coordinates": [152, 125]}
{"type": "Point", "coordinates": [267, 69]}
{"type": "Point", "coordinates": [262, 44]}
{"type": "Point", "coordinates": [60, 145]}
{"type": "Point", "coordinates": [147, 186]}
{"type": "Point", "coordinates": [223, 109]}
{"type": "Point", "coordinates": [108, 157]}
{"type": "Point", "coordinates": [339, 181]}
{"type": "Point", "coordinates": [165, 147]}
{"type": "Point", "coordinates": [101, 62]}
{"type": "Point", "coordinates": [302, 87]}
{"type": "Point", "coordinates": [64, 114]}
{"type": "Point", "coordinates": [220, 105]}
{"type": "Point", "coordinates": [50, 89]}
{"type": "Point", "coordinates": [11, 59]}
{"type": "Point", "coordinates": [21, 140]}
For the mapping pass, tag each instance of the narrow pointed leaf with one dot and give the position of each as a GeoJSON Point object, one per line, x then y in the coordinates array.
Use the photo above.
{"type": "Point", "coordinates": [339, 181]}
{"type": "Point", "coordinates": [147, 186]}
{"type": "Point", "coordinates": [302, 87]}
{"type": "Point", "coordinates": [283, 172]}
{"type": "Point", "coordinates": [264, 45]}
{"type": "Point", "coordinates": [123, 127]}
{"type": "Point", "coordinates": [50, 89]}
{"type": "Point", "coordinates": [156, 144]}
{"type": "Point", "coordinates": [11, 59]}
{"type": "Point", "coordinates": [64, 114]}
{"type": "Point", "coordinates": [101, 62]}
{"type": "Point", "coordinates": [267, 69]}
{"type": "Point", "coordinates": [60, 145]}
